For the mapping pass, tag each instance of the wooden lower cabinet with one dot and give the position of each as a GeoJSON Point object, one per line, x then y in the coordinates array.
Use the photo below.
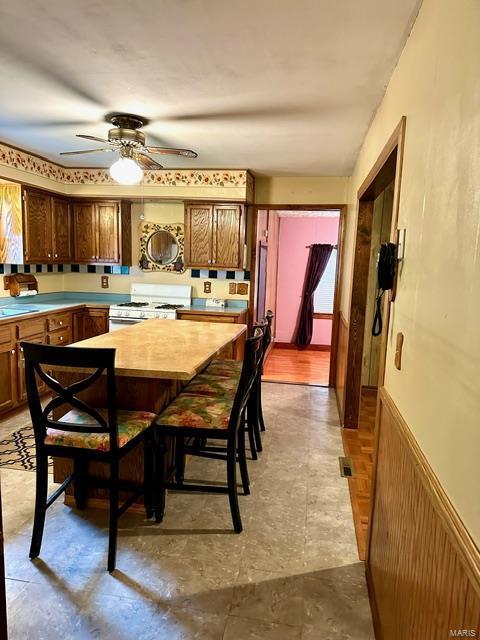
{"type": "Point", "coordinates": [89, 323]}
{"type": "Point", "coordinates": [232, 351]}
{"type": "Point", "coordinates": [8, 369]}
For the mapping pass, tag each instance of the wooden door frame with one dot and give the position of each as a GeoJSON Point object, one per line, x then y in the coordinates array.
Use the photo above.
{"type": "Point", "coordinates": [358, 297]}
{"type": "Point", "coordinates": [342, 208]}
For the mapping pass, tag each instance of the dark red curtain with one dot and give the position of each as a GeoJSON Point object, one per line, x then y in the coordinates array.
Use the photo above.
{"type": "Point", "coordinates": [316, 265]}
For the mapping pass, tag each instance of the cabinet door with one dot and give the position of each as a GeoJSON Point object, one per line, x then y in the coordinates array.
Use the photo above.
{"type": "Point", "coordinates": [37, 229]}
{"type": "Point", "coordinates": [199, 235]}
{"type": "Point", "coordinates": [8, 364]}
{"type": "Point", "coordinates": [95, 322]}
{"type": "Point", "coordinates": [21, 386]}
{"type": "Point", "coordinates": [61, 230]}
{"type": "Point", "coordinates": [228, 236]}
{"type": "Point", "coordinates": [108, 248]}
{"type": "Point", "coordinates": [84, 232]}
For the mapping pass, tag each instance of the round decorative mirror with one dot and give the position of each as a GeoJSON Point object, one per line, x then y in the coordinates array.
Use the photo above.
{"type": "Point", "coordinates": [162, 247]}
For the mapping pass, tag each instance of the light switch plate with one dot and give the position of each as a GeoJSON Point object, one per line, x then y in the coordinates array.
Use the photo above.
{"type": "Point", "coordinates": [398, 351]}
{"type": "Point", "coordinates": [207, 287]}
{"type": "Point", "coordinates": [104, 281]}
{"type": "Point", "coordinates": [232, 288]}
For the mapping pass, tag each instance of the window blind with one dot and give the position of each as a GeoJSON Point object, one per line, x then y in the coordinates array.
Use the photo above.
{"type": "Point", "coordinates": [323, 296]}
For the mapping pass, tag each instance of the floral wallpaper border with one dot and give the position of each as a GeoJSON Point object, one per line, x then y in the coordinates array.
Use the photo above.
{"type": "Point", "coordinates": [24, 161]}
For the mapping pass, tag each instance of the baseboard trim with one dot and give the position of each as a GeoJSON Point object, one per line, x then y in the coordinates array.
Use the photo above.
{"type": "Point", "coordinates": [437, 517]}
{"type": "Point", "coordinates": [310, 347]}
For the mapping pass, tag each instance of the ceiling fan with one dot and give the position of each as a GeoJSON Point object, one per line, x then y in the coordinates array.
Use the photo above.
{"type": "Point", "coordinates": [126, 138]}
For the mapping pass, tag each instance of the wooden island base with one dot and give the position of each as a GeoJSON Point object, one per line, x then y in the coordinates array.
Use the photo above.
{"type": "Point", "coordinates": [144, 394]}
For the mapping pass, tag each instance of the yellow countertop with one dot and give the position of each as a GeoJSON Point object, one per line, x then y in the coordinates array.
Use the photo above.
{"type": "Point", "coordinates": [166, 349]}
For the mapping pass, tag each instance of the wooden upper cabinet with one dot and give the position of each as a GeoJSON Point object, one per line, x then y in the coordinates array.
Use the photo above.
{"type": "Point", "coordinates": [214, 235]}
{"type": "Point", "coordinates": [37, 226]}
{"type": "Point", "coordinates": [97, 232]}
{"type": "Point", "coordinates": [62, 246]}
{"type": "Point", "coordinates": [85, 245]}
{"type": "Point", "coordinates": [228, 236]}
{"type": "Point", "coordinates": [198, 235]}
{"type": "Point", "coordinates": [108, 237]}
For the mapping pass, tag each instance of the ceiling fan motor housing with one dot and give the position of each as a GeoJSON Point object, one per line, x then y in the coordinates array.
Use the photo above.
{"type": "Point", "coordinates": [129, 136]}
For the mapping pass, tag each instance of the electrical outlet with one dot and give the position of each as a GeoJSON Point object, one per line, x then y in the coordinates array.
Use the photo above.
{"type": "Point", "coordinates": [232, 288]}
{"type": "Point", "coordinates": [105, 284]}
{"type": "Point", "coordinates": [242, 289]}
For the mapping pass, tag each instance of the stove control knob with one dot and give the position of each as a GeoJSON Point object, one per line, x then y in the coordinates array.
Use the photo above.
{"type": "Point", "coordinates": [127, 313]}
{"type": "Point", "coordinates": [164, 315]}
{"type": "Point", "coordinates": [142, 314]}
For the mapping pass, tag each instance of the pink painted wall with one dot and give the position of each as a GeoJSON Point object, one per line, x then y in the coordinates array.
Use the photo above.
{"type": "Point", "coordinates": [295, 235]}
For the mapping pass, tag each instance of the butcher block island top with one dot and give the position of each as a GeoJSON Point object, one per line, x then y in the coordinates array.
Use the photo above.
{"type": "Point", "coordinates": [165, 349]}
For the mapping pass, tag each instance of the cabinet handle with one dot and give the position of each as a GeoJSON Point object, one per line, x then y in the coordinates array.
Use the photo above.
{"type": "Point", "coordinates": [213, 261]}
{"type": "Point", "coordinates": [21, 349]}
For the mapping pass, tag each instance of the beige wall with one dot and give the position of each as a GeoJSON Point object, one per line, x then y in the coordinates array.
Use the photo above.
{"type": "Point", "coordinates": [436, 84]}
{"type": "Point", "coordinates": [47, 283]}
{"type": "Point", "coordinates": [321, 190]}
{"type": "Point", "coordinates": [164, 213]}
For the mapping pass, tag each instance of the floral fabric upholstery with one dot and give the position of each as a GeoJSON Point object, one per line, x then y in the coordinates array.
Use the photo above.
{"type": "Point", "coordinates": [200, 412]}
{"type": "Point", "coordinates": [213, 386]}
{"type": "Point", "coordinates": [129, 425]}
{"type": "Point", "coordinates": [225, 368]}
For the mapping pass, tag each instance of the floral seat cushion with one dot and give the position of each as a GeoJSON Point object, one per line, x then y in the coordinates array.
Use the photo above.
{"type": "Point", "coordinates": [129, 424]}
{"type": "Point", "coordinates": [200, 412]}
{"type": "Point", "coordinates": [213, 386]}
{"type": "Point", "coordinates": [225, 368]}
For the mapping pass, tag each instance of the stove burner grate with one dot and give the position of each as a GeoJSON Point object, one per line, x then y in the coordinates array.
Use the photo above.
{"type": "Point", "coordinates": [169, 306]}
{"type": "Point", "coordinates": [133, 304]}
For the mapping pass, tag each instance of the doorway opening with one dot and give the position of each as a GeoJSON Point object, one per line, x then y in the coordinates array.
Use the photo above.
{"type": "Point", "coordinates": [378, 202]}
{"type": "Point", "coordinates": [283, 239]}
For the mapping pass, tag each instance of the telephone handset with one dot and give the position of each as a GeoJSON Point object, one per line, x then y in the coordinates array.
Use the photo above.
{"type": "Point", "coordinates": [386, 265]}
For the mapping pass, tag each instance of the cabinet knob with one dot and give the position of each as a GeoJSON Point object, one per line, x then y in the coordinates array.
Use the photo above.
{"type": "Point", "coordinates": [61, 338]}
{"type": "Point", "coordinates": [12, 352]}
{"type": "Point", "coordinates": [213, 261]}
{"type": "Point", "coordinates": [56, 255]}
{"type": "Point", "coordinates": [61, 322]}
{"type": "Point", "coordinates": [21, 349]}
{"type": "Point", "coordinates": [49, 255]}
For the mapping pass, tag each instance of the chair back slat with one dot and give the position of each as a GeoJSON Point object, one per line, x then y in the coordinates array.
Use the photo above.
{"type": "Point", "coordinates": [251, 363]}
{"type": "Point", "coordinates": [102, 361]}
{"type": "Point", "coordinates": [266, 328]}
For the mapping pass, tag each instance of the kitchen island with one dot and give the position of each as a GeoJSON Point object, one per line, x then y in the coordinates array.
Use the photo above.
{"type": "Point", "coordinates": [154, 360]}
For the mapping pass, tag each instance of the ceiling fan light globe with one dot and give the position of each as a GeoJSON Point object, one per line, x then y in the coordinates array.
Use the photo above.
{"type": "Point", "coordinates": [126, 171]}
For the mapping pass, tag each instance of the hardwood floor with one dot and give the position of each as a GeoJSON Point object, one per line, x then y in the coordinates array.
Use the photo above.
{"type": "Point", "coordinates": [358, 445]}
{"type": "Point", "coordinates": [297, 366]}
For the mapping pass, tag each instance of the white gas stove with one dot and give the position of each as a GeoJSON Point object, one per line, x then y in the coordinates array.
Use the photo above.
{"type": "Point", "coordinates": [150, 301]}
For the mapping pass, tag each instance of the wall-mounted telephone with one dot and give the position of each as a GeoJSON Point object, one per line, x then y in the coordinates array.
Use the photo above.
{"type": "Point", "coordinates": [386, 265]}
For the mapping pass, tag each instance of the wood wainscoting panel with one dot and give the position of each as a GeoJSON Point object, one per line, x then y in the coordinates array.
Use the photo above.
{"type": "Point", "coordinates": [423, 568]}
{"type": "Point", "coordinates": [341, 368]}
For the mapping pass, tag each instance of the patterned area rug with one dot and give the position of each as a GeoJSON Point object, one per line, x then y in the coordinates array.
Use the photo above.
{"type": "Point", "coordinates": [18, 450]}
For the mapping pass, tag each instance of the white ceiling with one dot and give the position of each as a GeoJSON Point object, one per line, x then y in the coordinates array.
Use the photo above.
{"type": "Point", "coordinates": [283, 87]}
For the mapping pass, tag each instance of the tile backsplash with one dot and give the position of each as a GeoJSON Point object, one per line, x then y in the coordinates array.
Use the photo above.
{"type": "Point", "coordinates": [218, 274]}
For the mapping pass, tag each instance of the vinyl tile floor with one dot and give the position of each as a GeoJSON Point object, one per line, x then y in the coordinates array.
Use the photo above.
{"type": "Point", "coordinates": [293, 574]}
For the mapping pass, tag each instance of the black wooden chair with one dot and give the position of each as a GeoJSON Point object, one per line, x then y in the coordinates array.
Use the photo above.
{"type": "Point", "coordinates": [199, 417]}
{"type": "Point", "coordinates": [230, 369]}
{"type": "Point", "coordinates": [84, 433]}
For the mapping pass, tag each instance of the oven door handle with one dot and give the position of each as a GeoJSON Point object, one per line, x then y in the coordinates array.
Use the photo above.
{"type": "Point", "coordinates": [124, 321]}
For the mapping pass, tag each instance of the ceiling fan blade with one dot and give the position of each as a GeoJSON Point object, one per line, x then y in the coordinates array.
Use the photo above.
{"type": "Point", "coordinates": [146, 162]}
{"type": "Point", "coordinates": [81, 135]}
{"type": "Point", "coordinates": [187, 153]}
{"type": "Point", "coordinates": [76, 153]}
